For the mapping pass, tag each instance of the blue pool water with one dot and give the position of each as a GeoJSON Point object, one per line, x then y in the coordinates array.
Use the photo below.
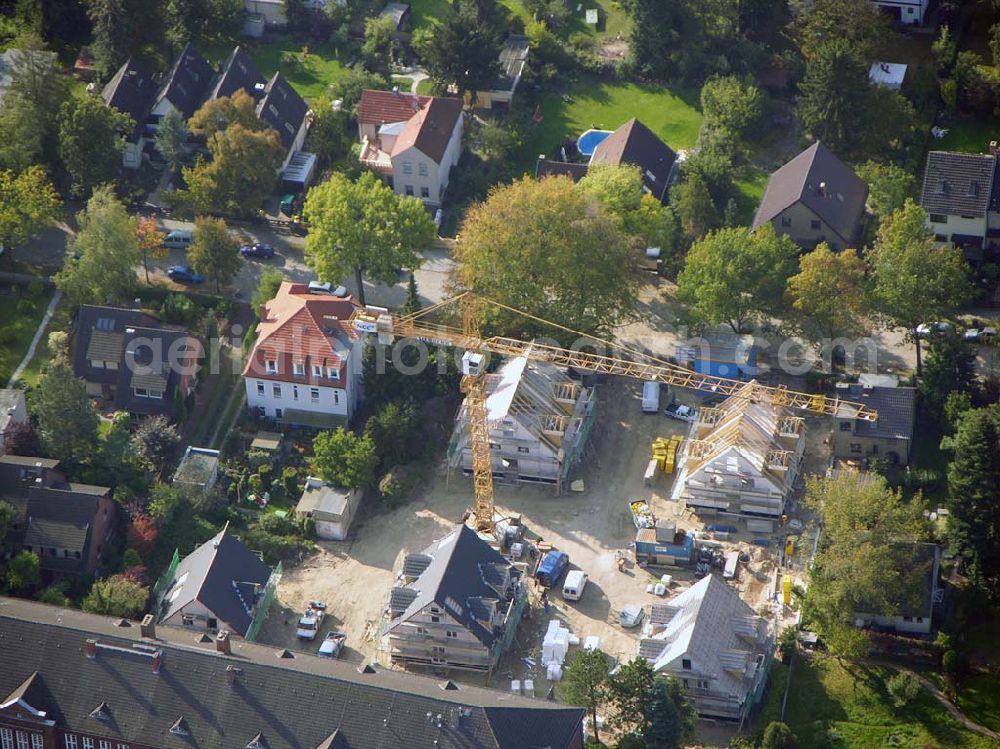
{"type": "Point", "coordinates": [590, 140]}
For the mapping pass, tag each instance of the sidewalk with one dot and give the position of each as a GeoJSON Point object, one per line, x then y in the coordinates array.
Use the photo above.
{"type": "Point", "coordinates": [49, 311]}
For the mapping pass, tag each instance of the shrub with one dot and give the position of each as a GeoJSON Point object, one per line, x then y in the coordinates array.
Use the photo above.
{"type": "Point", "coordinates": [266, 473]}
{"type": "Point", "coordinates": [25, 306]}
{"type": "Point", "coordinates": [179, 309]}
{"type": "Point", "coordinates": [391, 488]}
{"type": "Point", "coordinates": [36, 289]}
{"type": "Point", "coordinates": [290, 480]}
{"type": "Point", "coordinates": [787, 641]}
{"type": "Point", "coordinates": [903, 687]}
{"type": "Point", "coordinates": [131, 558]}
{"type": "Point", "coordinates": [777, 735]}
{"type": "Point", "coordinates": [954, 663]}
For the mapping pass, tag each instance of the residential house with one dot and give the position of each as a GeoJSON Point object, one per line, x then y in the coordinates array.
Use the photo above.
{"type": "Point", "coordinates": [458, 606]}
{"type": "Point", "coordinates": [185, 86]}
{"type": "Point", "coordinates": [239, 73]}
{"type": "Point", "coordinates": [908, 12]}
{"type": "Point", "coordinates": [331, 508]}
{"type": "Point", "coordinates": [67, 524]}
{"type": "Point", "coordinates": [198, 469]}
{"type": "Point", "coordinates": [72, 679]}
{"type": "Point", "coordinates": [513, 59]}
{"type": "Point", "coordinates": [715, 644]}
{"type": "Point", "coordinates": [891, 436]}
{"type": "Point", "coordinates": [131, 91]}
{"type": "Point", "coordinates": [554, 168]}
{"type": "Point", "coordinates": [634, 143]}
{"type": "Point", "coordinates": [539, 420]}
{"type": "Point", "coordinates": [12, 411]}
{"type": "Point", "coordinates": [305, 367]}
{"type": "Point", "coordinates": [133, 363]}
{"type": "Point", "coordinates": [220, 585]}
{"type": "Point", "coordinates": [742, 457]}
{"type": "Point", "coordinates": [411, 141]}
{"type": "Point", "coordinates": [283, 109]}
{"type": "Point", "coordinates": [272, 12]}
{"type": "Point", "coordinates": [919, 565]}
{"type": "Point", "coordinates": [815, 198]}
{"type": "Point", "coordinates": [961, 195]}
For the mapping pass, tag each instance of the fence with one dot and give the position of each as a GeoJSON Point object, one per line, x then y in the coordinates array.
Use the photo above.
{"type": "Point", "coordinates": [163, 584]}
{"type": "Point", "coordinates": [270, 590]}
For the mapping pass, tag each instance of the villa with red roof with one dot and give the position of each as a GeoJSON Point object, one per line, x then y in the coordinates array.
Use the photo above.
{"type": "Point", "coordinates": [411, 141]}
{"type": "Point", "coordinates": [305, 367]}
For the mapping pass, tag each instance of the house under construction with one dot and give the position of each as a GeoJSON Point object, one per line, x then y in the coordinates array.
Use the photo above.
{"type": "Point", "coordinates": [539, 422]}
{"type": "Point", "coordinates": [742, 457]}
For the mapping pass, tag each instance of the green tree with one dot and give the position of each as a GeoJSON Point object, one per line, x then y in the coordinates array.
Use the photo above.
{"type": "Point", "coordinates": [629, 691]}
{"type": "Point", "coordinates": [889, 186]}
{"type": "Point", "coordinates": [859, 23]}
{"type": "Point", "coordinates": [177, 15]}
{"type": "Point", "coordinates": [694, 207]}
{"type": "Point", "coordinates": [8, 516]}
{"type": "Point", "coordinates": [171, 135]}
{"type": "Point", "coordinates": [412, 302]}
{"type": "Point", "coordinates": [104, 253]}
{"type": "Point", "coordinates": [904, 687]}
{"type": "Point", "coordinates": [155, 441]}
{"type": "Point", "coordinates": [347, 89]}
{"type": "Point", "coordinates": [217, 115]}
{"type": "Point", "coordinates": [267, 288]}
{"type": "Point", "coordinates": [994, 44]}
{"type": "Point", "coordinates": [641, 216]}
{"type": "Point", "coordinates": [90, 142]}
{"type": "Point", "coordinates": [736, 276]}
{"type": "Point", "coordinates": [117, 595]}
{"type": "Point", "coordinates": [973, 488]}
{"type": "Point", "coordinates": [657, 39]}
{"type": "Point", "coordinates": [778, 735]}
{"type": "Point", "coordinates": [541, 247]}
{"type": "Point", "coordinates": [393, 431]}
{"type": "Point", "coordinates": [833, 96]}
{"type": "Point", "coordinates": [344, 459]}
{"type": "Point", "coordinates": [672, 717]}
{"type": "Point", "coordinates": [23, 572]}
{"type": "Point", "coordinates": [113, 26]}
{"type": "Point", "coordinates": [67, 423]}
{"type": "Point", "coordinates": [460, 50]}
{"type": "Point", "coordinates": [28, 113]}
{"type": "Point", "coordinates": [950, 369]}
{"type": "Point", "coordinates": [330, 136]}
{"type": "Point", "coordinates": [214, 251]}
{"type": "Point", "coordinates": [28, 204]}
{"type": "Point", "coordinates": [380, 46]}
{"type": "Point", "coordinates": [915, 281]}
{"type": "Point", "coordinates": [585, 683]}
{"type": "Point", "coordinates": [944, 49]}
{"type": "Point", "coordinates": [829, 294]}
{"type": "Point", "coordinates": [732, 104]}
{"type": "Point", "coordinates": [364, 228]}
{"type": "Point", "coordinates": [150, 242]}
{"type": "Point", "coordinates": [54, 596]}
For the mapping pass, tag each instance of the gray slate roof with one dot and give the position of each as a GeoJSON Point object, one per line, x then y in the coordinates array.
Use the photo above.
{"type": "Point", "coordinates": [957, 184]}
{"type": "Point", "coordinates": [131, 91]}
{"type": "Point", "coordinates": [221, 575]}
{"type": "Point", "coordinates": [896, 408]}
{"type": "Point", "coordinates": [634, 143]}
{"type": "Point", "coordinates": [239, 73]}
{"type": "Point", "coordinates": [457, 571]}
{"type": "Point", "coordinates": [283, 109]}
{"type": "Point", "coordinates": [108, 321]}
{"type": "Point", "coordinates": [303, 702]}
{"type": "Point", "coordinates": [188, 80]}
{"type": "Point", "coordinates": [62, 518]}
{"type": "Point", "coordinates": [841, 204]}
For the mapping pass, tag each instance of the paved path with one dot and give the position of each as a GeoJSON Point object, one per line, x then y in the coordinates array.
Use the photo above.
{"type": "Point", "coordinates": [34, 341]}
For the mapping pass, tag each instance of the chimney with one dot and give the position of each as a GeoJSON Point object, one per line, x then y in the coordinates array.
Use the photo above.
{"type": "Point", "coordinates": [222, 642]}
{"type": "Point", "coordinates": [147, 627]}
{"type": "Point", "coordinates": [157, 661]}
{"type": "Point", "coordinates": [91, 648]}
{"type": "Point", "coordinates": [994, 148]}
{"type": "Point", "coordinates": [231, 673]}
{"type": "Point", "coordinates": [395, 90]}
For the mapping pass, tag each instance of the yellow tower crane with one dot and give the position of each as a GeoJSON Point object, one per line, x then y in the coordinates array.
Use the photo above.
{"type": "Point", "coordinates": [388, 326]}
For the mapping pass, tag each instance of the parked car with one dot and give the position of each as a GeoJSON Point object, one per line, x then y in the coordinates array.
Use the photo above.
{"type": "Point", "coordinates": [310, 623]}
{"type": "Point", "coordinates": [184, 274]}
{"type": "Point", "coordinates": [257, 250]}
{"type": "Point", "coordinates": [332, 645]}
{"type": "Point", "coordinates": [979, 335]}
{"type": "Point", "coordinates": [650, 397]}
{"type": "Point", "coordinates": [576, 581]}
{"type": "Point", "coordinates": [682, 413]}
{"type": "Point", "coordinates": [925, 329]}
{"type": "Point", "coordinates": [178, 239]}
{"type": "Point", "coordinates": [551, 568]}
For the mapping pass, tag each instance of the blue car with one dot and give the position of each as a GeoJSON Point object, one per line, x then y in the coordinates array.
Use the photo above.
{"type": "Point", "coordinates": [184, 274]}
{"type": "Point", "coordinates": [257, 250]}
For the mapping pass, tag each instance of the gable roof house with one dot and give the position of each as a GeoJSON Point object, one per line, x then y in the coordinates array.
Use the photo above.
{"type": "Point", "coordinates": [919, 565]}
{"type": "Point", "coordinates": [239, 73]}
{"type": "Point", "coordinates": [219, 585]}
{"type": "Point", "coordinates": [186, 84]}
{"type": "Point", "coordinates": [908, 12]}
{"type": "Point", "coordinates": [742, 457]}
{"type": "Point", "coordinates": [961, 195]}
{"type": "Point", "coordinates": [715, 644]}
{"type": "Point", "coordinates": [331, 507]}
{"type": "Point", "coordinates": [305, 367]}
{"type": "Point", "coordinates": [890, 436]}
{"type": "Point", "coordinates": [815, 198]}
{"type": "Point", "coordinates": [283, 109]}
{"type": "Point", "coordinates": [539, 421]}
{"type": "Point", "coordinates": [411, 141]}
{"type": "Point", "coordinates": [128, 359]}
{"type": "Point", "coordinates": [458, 607]}
{"type": "Point", "coordinates": [131, 91]}
{"type": "Point", "coordinates": [634, 143]}
{"type": "Point", "coordinates": [75, 679]}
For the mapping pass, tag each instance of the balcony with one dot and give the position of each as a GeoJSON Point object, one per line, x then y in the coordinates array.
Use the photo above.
{"type": "Point", "coordinates": [374, 157]}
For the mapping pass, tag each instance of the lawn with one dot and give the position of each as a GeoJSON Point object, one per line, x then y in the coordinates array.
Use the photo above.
{"type": "Point", "coordinates": [21, 315]}
{"type": "Point", "coordinates": [311, 75]}
{"type": "Point", "coordinates": [751, 183]}
{"type": "Point", "coordinates": [62, 319]}
{"type": "Point", "coordinates": [854, 704]}
{"type": "Point", "coordinates": [967, 135]}
{"type": "Point", "coordinates": [602, 104]}
{"type": "Point", "coordinates": [980, 700]}
{"type": "Point", "coordinates": [612, 18]}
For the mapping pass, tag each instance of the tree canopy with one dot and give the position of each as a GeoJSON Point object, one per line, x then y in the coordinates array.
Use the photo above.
{"type": "Point", "coordinates": [829, 294]}
{"type": "Point", "coordinates": [544, 247]}
{"type": "Point", "coordinates": [641, 216]}
{"type": "Point", "coordinates": [365, 229]}
{"type": "Point", "coordinates": [90, 142]}
{"type": "Point", "coordinates": [833, 96]}
{"type": "Point", "coordinates": [118, 595]}
{"type": "Point", "coordinates": [460, 50]}
{"type": "Point", "coordinates": [344, 459]}
{"type": "Point", "coordinates": [67, 423]}
{"type": "Point", "coordinates": [889, 186]}
{"type": "Point", "coordinates": [732, 104]}
{"type": "Point", "coordinates": [584, 683]}
{"type": "Point", "coordinates": [28, 204]}
{"type": "Point", "coordinates": [216, 115]}
{"type": "Point", "coordinates": [214, 251]}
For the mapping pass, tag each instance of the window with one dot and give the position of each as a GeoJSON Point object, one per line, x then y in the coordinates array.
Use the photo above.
{"type": "Point", "coordinates": [102, 744]}
{"type": "Point", "coordinates": [786, 221]}
{"type": "Point", "coordinates": [855, 447]}
{"type": "Point", "coordinates": [814, 225]}
{"type": "Point", "coordinates": [6, 738]}
{"type": "Point", "coordinates": [123, 746]}
{"type": "Point", "coordinates": [425, 192]}
{"type": "Point", "coordinates": [314, 395]}
{"type": "Point", "coordinates": [37, 742]}
{"type": "Point", "coordinates": [407, 167]}
{"type": "Point", "coordinates": [940, 237]}
{"type": "Point", "coordinates": [421, 630]}
{"type": "Point", "coordinates": [938, 218]}
{"type": "Point", "coordinates": [272, 367]}
{"type": "Point", "coordinates": [156, 394]}
{"type": "Point", "coordinates": [409, 190]}
{"type": "Point", "coordinates": [141, 393]}
{"type": "Point", "coordinates": [22, 740]}
{"type": "Point", "coordinates": [422, 169]}
{"type": "Point", "coordinates": [702, 684]}
{"type": "Point", "coordinates": [967, 215]}
{"type": "Point", "coordinates": [685, 682]}
{"type": "Point", "coordinates": [333, 373]}
{"type": "Point", "coordinates": [435, 619]}
{"type": "Point", "coordinates": [278, 413]}
{"type": "Point", "coordinates": [70, 739]}
{"type": "Point", "coordinates": [845, 426]}
{"type": "Point", "coordinates": [907, 618]}
{"type": "Point", "coordinates": [295, 392]}
{"type": "Point", "coordinates": [494, 446]}
{"type": "Point", "coordinates": [88, 743]}
{"type": "Point", "coordinates": [260, 388]}
{"type": "Point", "coordinates": [686, 664]}
{"type": "Point", "coordinates": [920, 620]}
{"type": "Point", "coordinates": [317, 370]}
{"type": "Point", "coordinates": [336, 397]}
{"type": "Point", "coordinates": [96, 364]}
{"type": "Point", "coordinates": [300, 369]}
{"type": "Point", "coordinates": [276, 391]}
{"type": "Point", "coordinates": [523, 450]}
{"type": "Point", "coordinates": [451, 633]}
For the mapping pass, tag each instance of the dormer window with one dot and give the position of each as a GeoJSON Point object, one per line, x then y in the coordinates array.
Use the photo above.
{"type": "Point", "coordinates": [300, 369]}
{"type": "Point", "coordinates": [317, 370]}
{"type": "Point", "coordinates": [333, 373]}
{"type": "Point", "coordinates": [973, 190]}
{"type": "Point", "coordinates": [272, 366]}
{"type": "Point", "coordinates": [180, 727]}
{"type": "Point", "coordinates": [942, 187]}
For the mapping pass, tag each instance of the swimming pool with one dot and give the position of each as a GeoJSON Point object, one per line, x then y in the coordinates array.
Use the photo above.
{"type": "Point", "coordinates": [590, 140]}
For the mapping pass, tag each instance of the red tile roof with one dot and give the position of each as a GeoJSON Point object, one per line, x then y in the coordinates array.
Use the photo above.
{"type": "Point", "coordinates": [299, 326]}
{"type": "Point", "coordinates": [382, 107]}
{"type": "Point", "coordinates": [430, 129]}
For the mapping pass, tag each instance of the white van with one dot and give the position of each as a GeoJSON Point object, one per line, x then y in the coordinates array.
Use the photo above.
{"type": "Point", "coordinates": [576, 581]}
{"type": "Point", "coordinates": [178, 239]}
{"type": "Point", "coordinates": [650, 397]}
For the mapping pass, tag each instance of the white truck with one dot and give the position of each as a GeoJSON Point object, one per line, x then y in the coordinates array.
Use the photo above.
{"type": "Point", "coordinates": [682, 413]}
{"type": "Point", "coordinates": [310, 622]}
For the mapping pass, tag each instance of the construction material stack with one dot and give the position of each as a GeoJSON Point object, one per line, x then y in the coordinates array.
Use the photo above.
{"type": "Point", "coordinates": [665, 453]}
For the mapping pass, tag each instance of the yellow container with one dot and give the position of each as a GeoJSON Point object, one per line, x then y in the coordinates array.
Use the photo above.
{"type": "Point", "coordinates": [786, 590]}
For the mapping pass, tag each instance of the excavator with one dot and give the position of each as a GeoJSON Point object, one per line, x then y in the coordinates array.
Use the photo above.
{"type": "Point", "coordinates": [388, 326]}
